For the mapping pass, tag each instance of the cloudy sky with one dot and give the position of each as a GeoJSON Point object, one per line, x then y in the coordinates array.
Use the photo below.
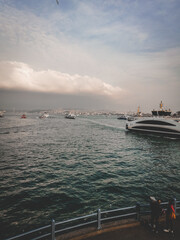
{"type": "Point", "coordinates": [90, 54]}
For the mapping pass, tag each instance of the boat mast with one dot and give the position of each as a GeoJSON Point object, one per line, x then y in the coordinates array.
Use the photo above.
{"type": "Point", "coordinates": [138, 111]}
{"type": "Point", "coordinates": [161, 105]}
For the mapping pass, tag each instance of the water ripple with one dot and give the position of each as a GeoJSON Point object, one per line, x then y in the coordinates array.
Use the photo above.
{"type": "Point", "coordinates": [61, 169]}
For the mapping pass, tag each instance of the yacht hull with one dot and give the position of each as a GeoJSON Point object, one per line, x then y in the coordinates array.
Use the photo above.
{"type": "Point", "coordinates": [169, 128]}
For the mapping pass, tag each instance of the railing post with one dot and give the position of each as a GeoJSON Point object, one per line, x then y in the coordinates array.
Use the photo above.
{"type": "Point", "coordinates": [175, 205]}
{"type": "Point", "coordinates": [138, 211]}
{"type": "Point", "coordinates": [53, 230]}
{"type": "Point", "coordinates": [99, 218]}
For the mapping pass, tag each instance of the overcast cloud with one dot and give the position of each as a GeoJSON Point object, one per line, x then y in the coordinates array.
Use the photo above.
{"type": "Point", "coordinates": [127, 52]}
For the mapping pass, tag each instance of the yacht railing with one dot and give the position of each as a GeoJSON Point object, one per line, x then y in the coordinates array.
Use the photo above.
{"type": "Point", "coordinates": [95, 219]}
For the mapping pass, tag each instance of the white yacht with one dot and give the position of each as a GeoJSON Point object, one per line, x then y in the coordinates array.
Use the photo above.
{"type": "Point", "coordinates": [44, 115]}
{"type": "Point", "coordinates": [70, 116]}
{"type": "Point", "coordinates": [163, 126]}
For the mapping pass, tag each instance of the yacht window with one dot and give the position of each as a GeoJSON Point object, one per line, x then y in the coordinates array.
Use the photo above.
{"type": "Point", "coordinates": [157, 122]}
{"type": "Point", "coordinates": [155, 129]}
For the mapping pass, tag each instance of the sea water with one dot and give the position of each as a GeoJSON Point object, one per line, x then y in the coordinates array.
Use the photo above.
{"type": "Point", "coordinates": [57, 168]}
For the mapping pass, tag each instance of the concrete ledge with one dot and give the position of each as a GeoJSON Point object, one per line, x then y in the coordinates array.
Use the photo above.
{"type": "Point", "coordinates": [93, 231]}
{"type": "Point", "coordinates": [124, 229]}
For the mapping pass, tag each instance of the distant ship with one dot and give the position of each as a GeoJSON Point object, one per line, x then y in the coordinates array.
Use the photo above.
{"type": "Point", "coordinates": [161, 112]}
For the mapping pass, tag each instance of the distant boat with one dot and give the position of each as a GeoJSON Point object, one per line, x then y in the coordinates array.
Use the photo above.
{"type": "Point", "coordinates": [70, 116]}
{"type": "Point", "coordinates": [23, 116]}
{"type": "Point", "coordinates": [122, 117]}
{"type": "Point", "coordinates": [130, 118]}
{"type": "Point", "coordinates": [1, 113]}
{"type": "Point", "coordinates": [162, 111]}
{"type": "Point", "coordinates": [44, 115]}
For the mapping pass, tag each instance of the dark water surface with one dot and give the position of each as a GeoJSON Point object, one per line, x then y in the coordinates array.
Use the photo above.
{"type": "Point", "coordinates": [60, 168]}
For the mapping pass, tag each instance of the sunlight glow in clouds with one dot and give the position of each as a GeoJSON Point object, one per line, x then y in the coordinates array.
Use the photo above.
{"type": "Point", "coordinates": [20, 76]}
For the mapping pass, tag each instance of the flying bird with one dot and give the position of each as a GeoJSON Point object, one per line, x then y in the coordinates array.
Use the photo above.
{"type": "Point", "coordinates": [57, 1]}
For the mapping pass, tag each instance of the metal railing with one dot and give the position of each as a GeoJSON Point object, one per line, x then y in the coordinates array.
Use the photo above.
{"type": "Point", "coordinates": [95, 219]}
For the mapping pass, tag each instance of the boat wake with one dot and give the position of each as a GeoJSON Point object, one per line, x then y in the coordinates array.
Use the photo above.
{"type": "Point", "coordinates": [106, 125]}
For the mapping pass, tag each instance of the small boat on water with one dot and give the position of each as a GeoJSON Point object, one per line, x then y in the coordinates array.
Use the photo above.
{"type": "Point", "coordinates": [23, 116]}
{"type": "Point", "coordinates": [44, 115]}
{"type": "Point", "coordinates": [130, 118]}
{"type": "Point", "coordinates": [122, 117]}
{"type": "Point", "coordinates": [163, 126]}
{"type": "Point", "coordinates": [1, 113]}
{"type": "Point", "coordinates": [70, 116]}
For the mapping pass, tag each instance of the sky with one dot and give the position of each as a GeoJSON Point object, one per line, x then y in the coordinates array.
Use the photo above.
{"type": "Point", "coordinates": [90, 54]}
